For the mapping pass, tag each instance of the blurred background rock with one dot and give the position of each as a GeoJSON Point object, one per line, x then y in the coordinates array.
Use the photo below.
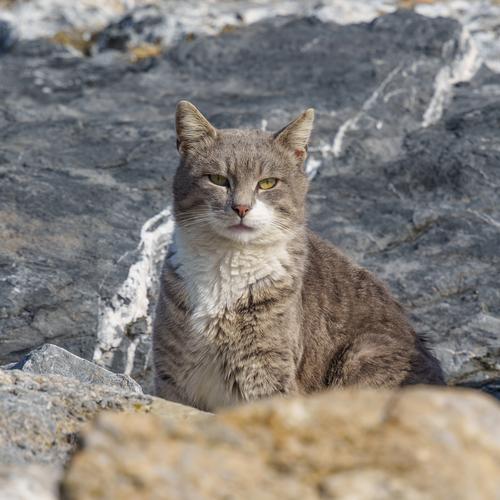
{"type": "Point", "coordinates": [404, 158]}
{"type": "Point", "coordinates": [405, 177]}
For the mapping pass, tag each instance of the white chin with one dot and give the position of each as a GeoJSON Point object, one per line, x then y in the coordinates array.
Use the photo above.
{"type": "Point", "coordinates": [243, 236]}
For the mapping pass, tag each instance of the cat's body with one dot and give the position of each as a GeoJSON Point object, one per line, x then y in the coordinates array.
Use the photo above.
{"type": "Point", "coordinates": [249, 312]}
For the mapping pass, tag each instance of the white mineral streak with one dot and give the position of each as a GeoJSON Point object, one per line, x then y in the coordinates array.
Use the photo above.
{"type": "Point", "coordinates": [463, 67]}
{"type": "Point", "coordinates": [481, 18]}
{"type": "Point", "coordinates": [131, 301]}
{"type": "Point", "coordinates": [352, 123]}
{"type": "Point", "coordinates": [312, 167]}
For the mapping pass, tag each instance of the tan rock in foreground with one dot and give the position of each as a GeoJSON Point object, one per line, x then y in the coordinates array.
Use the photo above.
{"type": "Point", "coordinates": [416, 444]}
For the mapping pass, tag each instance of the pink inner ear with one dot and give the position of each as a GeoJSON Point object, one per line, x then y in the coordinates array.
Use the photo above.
{"type": "Point", "coordinates": [299, 153]}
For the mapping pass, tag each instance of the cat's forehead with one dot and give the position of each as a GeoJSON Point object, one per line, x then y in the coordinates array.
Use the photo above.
{"type": "Point", "coordinates": [246, 148]}
{"type": "Point", "coordinates": [250, 138]}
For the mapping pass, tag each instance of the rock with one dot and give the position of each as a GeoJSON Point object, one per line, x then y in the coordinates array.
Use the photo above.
{"type": "Point", "coordinates": [7, 36]}
{"type": "Point", "coordinates": [52, 360]}
{"type": "Point", "coordinates": [28, 482]}
{"type": "Point", "coordinates": [86, 285]}
{"type": "Point", "coordinates": [40, 18]}
{"type": "Point", "coordinates": [175, 412]}
{"type": "Point", "coordinates": [403, 176]}
{"type": "Point", "coordinates": [141, 26]}
{"type": "Point", "coordinates": [415, 444]}
{"type": "Point", "coordinates": [40, 415]}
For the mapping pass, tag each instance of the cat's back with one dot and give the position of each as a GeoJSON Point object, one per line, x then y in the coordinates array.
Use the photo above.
{"type": "Point", "coordinates": [339, 283]}
{"type": "Point", "coordinates": [346, 309]}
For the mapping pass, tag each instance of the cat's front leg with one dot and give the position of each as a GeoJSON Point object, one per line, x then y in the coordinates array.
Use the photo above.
{"type": "Point", "coordinates": [265, 374]}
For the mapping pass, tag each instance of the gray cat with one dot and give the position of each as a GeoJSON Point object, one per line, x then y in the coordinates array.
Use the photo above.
{"type": "Point", "coordinates": [251, 302]}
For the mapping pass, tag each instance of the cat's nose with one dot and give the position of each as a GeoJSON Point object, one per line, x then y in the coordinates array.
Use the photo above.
{"type": "Point", "coordinates": [241, 210]}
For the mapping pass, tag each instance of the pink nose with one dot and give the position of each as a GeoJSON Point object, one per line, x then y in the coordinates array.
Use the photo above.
{"type": "Point", "coordinates": [241, 210]}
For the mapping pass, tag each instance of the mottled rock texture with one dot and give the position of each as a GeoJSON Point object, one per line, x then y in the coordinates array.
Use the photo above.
{"type": "Point", "coordinates": [87, 154]}
{"type": "Point", "coordinates": [30, 482]}
{"type": "Point", "coordinates": [415, 444]}
{"type": "Point", "coordinates": [40, 415]}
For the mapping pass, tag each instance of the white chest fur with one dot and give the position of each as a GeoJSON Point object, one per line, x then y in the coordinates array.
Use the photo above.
{"type": "Point", "coordinates": [217, 276]}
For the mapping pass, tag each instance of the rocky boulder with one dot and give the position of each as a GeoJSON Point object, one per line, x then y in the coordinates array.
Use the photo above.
{"type": "Point", "coordinates": [402, 163]}
{"type": "Point", "coordinates": [415, 444]}
{"type": "Point", "coordinates": [52, 360]}
{"type": "Point", "coordinates": [41, 415]}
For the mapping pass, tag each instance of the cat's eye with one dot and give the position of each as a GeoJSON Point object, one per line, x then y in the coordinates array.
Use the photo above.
{"type": "Point", "coordinates": [268, 183]}
{"type": "Point", "coordinates": [219, 180]}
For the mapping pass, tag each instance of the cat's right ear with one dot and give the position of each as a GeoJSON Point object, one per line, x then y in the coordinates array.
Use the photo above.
{"type": "Point", "coordinates": [295, 136]}
{"type": "Point", "coordinates": [192, 128]}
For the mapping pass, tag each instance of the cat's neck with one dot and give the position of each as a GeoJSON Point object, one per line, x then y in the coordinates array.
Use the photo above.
{"type": "Point", "coordinates": [225, 270]}
{"type": "Point", "coordinates": [208, 251]}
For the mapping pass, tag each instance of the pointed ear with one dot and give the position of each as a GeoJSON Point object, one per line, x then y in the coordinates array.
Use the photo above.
{"type": "Point", "coordinates": [192, 128]}
{"type": "Point", "coordinates": [295, 135]}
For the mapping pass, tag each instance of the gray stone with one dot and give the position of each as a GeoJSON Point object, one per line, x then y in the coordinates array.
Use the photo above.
{"type": "Point", "coordinates": [404, 176]}
{"type": "Point", "coordinates": [29, 482]}
{"type": "Point", "coordinates": [40, 415]}
{"type": "Point", "coordinates": [52, 360]}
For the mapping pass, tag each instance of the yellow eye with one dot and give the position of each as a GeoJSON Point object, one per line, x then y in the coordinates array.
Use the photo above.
{"type": "Point", "coordinates": [268, 183]}
{"type": "Point", "coordinates": [219, 180]}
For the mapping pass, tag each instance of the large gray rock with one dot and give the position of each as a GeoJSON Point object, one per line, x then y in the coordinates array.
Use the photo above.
{"type": "Point", "coordinates": [53, 360]}
{"type": "Point", "coordinates": [88, 154]}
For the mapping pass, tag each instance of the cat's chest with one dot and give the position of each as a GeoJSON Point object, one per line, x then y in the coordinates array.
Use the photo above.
{"type": "Point", "coordinates": [216, 280]}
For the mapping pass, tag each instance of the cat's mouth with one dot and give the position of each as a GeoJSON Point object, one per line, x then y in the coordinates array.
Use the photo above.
{"type": "Point", "coordinates": [241, 227]}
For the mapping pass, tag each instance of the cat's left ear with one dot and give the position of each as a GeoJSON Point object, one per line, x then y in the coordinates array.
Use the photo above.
{"type": "Point", "coordinates": [295, 136]}
{"type": "Point", "coordinates": [192, 128]}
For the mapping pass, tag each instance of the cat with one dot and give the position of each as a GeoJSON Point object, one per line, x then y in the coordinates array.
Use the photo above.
{"type": "Point", "coordinates": [253, 304]}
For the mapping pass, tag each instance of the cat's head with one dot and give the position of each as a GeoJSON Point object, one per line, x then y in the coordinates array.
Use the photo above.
{"type": "Point", "coordinates": [245, 186]}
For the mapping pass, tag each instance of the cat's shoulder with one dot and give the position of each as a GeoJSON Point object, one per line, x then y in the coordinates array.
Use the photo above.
{"type": "Point", "coordinates": [322, 252]}
{"type": "Point", "coordinates": [328, 266]}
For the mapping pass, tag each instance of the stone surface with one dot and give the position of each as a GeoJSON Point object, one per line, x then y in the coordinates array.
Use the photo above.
{"type": "Point", "coordinates": [415, 444]}
{"type": "Point", "coordinates": [30, 482]}
{"type": "Point", "coordinates": [88, 154]}
{"type": "Point", "coordinates": [38, 18]}
{"type": "Point", "coordinates": [52, 360]}
{"type": "Point", "coordinates": [138, 27]}
{"type": "Point", "coordinates": [40, 415]}
{"type": "Point", "coordinates": [7, 37]}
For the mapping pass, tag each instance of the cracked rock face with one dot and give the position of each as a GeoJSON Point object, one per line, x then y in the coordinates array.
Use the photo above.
{"type": "Point", "coordinates": [403, 167]}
